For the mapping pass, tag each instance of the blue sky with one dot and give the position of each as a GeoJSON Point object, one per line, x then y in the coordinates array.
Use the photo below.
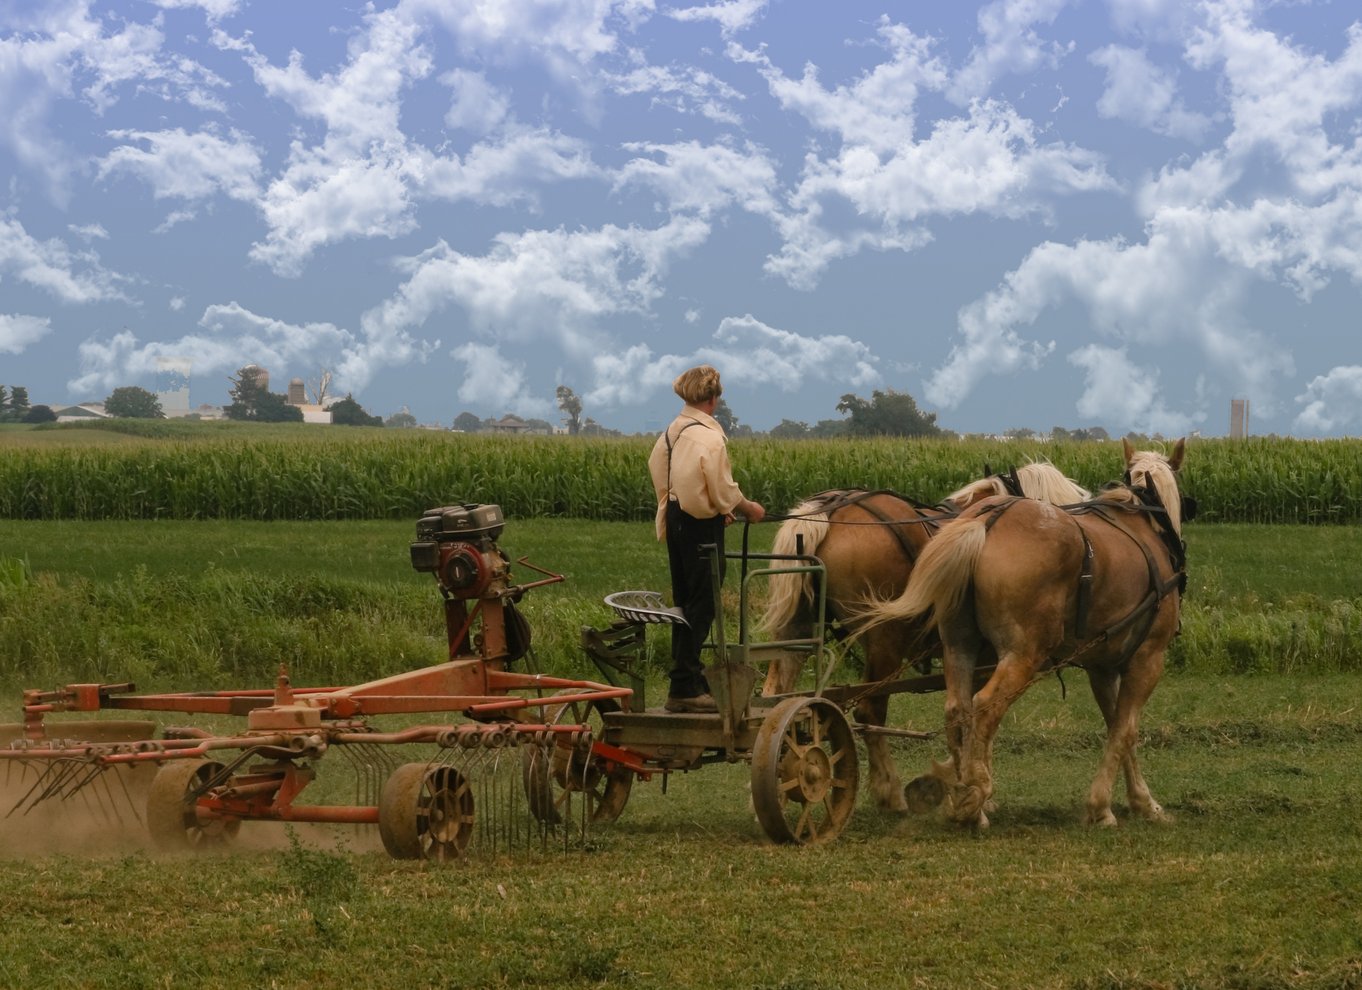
{"type": "Point", "coordinates": [1025, 213]}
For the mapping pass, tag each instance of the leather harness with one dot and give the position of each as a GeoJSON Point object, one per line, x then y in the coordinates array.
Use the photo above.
{"type": "Point", "coordinates": [1147, 609]}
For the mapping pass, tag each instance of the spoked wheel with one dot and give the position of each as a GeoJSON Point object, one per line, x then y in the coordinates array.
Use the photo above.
{"type": "Point", "coordinates": [172, 807]}
{"type": "Point", "coordinates": [559, 780]}
{"type": "Point", "coordinates": [804, 771]}
{"type": "Point", "coordinates": [426, 812]}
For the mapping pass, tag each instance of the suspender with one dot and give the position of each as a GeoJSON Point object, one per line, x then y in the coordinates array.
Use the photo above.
{"type": "Point", "coordinates": [667, 436]}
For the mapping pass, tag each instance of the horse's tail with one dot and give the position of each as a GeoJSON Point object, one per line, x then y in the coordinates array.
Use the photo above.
{"type": "Point", "coordinates": [940, 579]}
{"type": "Point", "coordinates": [786, 593]}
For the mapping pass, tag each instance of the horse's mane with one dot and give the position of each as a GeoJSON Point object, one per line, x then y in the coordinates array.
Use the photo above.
{"type": "Point", "coordinates": [1149, 468]}
{"type": "Point", "coordinates": [1039, 480]}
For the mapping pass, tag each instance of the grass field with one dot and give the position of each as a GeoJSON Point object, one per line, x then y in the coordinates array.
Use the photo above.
{"type": "Point", "coordinates": [1256, 885]}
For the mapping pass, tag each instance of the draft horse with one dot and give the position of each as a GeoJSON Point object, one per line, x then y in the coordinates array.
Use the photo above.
{"type": "Point", "coordinates": [868, 543]}
{"type": "Point", "coordinates": [1096, 586]}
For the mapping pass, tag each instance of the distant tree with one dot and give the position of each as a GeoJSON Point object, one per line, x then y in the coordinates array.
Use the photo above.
{"type": "Point", "coordinates": [271, 407]}
{"type": "Point", "coordinates": [131, 402]}
{"type": "Point", "coordinates": [320, 388]}
{"type": "Point", "coordinates": [789, 429]}
{"type": "Point", "coordinates": [887, 414]}
{"type": "Point", "coordinates": [571, 407]}
{"type": "Point", "coordinates": [539, 425]}
{"type": "Point", "coordinates": [4, 402]}
{"type": "Point", "coordinates": [40, 414]}
{"type": "Point", "coordinates": [467, 422]}
{"type": "Point", "coordinates": [725, 417]}
{"type": "Point", "coordinates": [591, 428]}
{"type": "Point", "coordinates": [1059, 434]}
{"type": "Point", "coordinates": [252, 401]}
{"type": "Point", "coordinates": [348, 412]}
{"type": "Point", "coordinates": [18, 403]}
{"type": "Point", "coordinates": [825, 428]}
{"type": "Point", "coordinates": [401, 420]}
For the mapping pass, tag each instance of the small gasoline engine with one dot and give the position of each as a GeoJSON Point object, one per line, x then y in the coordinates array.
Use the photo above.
{"type": "Point", "coordinates": [457, 543]}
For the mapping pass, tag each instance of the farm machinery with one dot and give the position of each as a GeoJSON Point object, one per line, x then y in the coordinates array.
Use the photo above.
{"type": "Point", "coordinates": [501, 758]}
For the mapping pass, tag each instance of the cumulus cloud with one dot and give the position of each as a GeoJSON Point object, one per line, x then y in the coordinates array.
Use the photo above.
{"type": "Point", "coordinates": [750, 352]}
{"type": "Point", "coordinates": [1332, 402]}
{"type": "Point", "coordinates": [704, 179]}
{"type": "Point", "coordinates": [1141, 93]}
{"type": "Point", "coordinates": [18, 331]}
{"type": "Point", "coordinates": [732, 16]}
{"type": "Point", "coordinates": [475, 105]}
{"type": "Point", "coordinates": [553, 285]}
{"type": "Point", "coordinates": [1116, 390]}
{"type": "Point", "coordinates": [181, 165]}
{"type": "Point", "coordinates": [491, 381]}
{"type": "Point", "coordinates": [1174, 289]}
{"type": "Point", "coordinates": [66, 275]}
{"type": "Point", "coordinates": [233, 337]}
{"type": "Point", "coordinates": [1010, 45]}
{"type": "Point", "coordinates": [683, 89]}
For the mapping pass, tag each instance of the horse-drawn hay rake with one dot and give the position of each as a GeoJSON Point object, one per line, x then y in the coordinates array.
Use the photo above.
{"type": "Point", "coordinates": [518, 759]}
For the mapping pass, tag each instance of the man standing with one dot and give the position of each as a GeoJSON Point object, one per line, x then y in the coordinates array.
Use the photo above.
{"type": "Point", "coordinates": [696, 499]}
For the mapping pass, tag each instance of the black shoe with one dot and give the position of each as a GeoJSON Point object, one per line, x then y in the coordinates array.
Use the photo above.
{"type": "Point", "coordinates": [701, 704]}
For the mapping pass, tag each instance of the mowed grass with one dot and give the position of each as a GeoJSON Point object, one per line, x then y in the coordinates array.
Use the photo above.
{"type": "Point", "coordinates": [1255, 885]}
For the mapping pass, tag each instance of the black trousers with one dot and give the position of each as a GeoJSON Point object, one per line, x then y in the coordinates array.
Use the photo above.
{"type": "Point", "coordinates": [693, 593]}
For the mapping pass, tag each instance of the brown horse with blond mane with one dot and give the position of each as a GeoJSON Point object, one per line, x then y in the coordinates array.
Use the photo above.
{"type": "Point", "coordinates": [1097, 586]}
{"type": "Point", "coordinates": [868, 543]}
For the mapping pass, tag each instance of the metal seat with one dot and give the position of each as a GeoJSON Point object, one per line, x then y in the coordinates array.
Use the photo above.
{"type": "Point", "coordinates": [645, 606]}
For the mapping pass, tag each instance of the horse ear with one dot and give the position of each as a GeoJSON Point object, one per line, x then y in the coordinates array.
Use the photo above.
{"type": "Point", "coordinates": [1179, 449]}
{"type": "Point", "coordinates": [1128, 450]}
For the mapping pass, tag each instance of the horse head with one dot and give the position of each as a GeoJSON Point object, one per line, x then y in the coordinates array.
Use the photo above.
{"type": "Point", "coordinates": [1147, 470]}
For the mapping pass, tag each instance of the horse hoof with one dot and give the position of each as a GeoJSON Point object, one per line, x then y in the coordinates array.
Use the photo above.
{"type": "Point", "coordinates": [967, 805]}
{"type": "Point", "coordinates": [924, 794]}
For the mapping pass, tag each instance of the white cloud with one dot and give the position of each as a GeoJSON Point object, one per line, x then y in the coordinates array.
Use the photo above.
{"type": "Point", "coordinates": [683, 89]}
{"type": "Point", "coordinates": [1142, 93]}
{"type": "Point", "coordinates": [234, 337]}
{"type": "Point", "coordinates": [732, 16]}
{"type": "Point", "coordinates": [1118, 391]}
{"type": "Point", "coordinates": [476, 105]}
{"type": "Point", "coordinates": [180, 165]}
{"type": "Point", "coordinates": [704, 179]}
{"type": "Point", "coordinates": [214, 10]}
{"type": "Point", "coordinates": [748, 352]}
{"type": "Point", "coordinates": [542, 285]}
{"type": "Point", "coordinates": [18, 331]}
{"type": "Point", "coordinates": [1010, 46]}
{"type": "Point", "coordinates": [1174, 290]}
{"type": "Point", "coordinates": [1332, 402]}
{"type": "Point", "coordinates": [493, 382]}
{"type": "Point", "coordinates": [505, 170]}
{"type": "Point", "coordinates": [71, 277]}
{"type": "Point", "coordinates": [878, 110]}
{"type": "Point", "coordinates": [988, 162]}
{"type": "Point", "coordinates": [562, 34]}
{"type": "Point", "coordinates": [89, 232]}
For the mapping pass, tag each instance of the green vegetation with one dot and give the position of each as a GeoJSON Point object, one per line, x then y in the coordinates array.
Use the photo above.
{"type": "Point", "coordinates": [1256, 885]}
{"type": "Point", "coordinates": [282, 471]}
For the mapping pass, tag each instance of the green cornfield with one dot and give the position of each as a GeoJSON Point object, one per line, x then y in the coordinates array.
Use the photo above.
{"type": "Point", "coordinates": [355, 473]}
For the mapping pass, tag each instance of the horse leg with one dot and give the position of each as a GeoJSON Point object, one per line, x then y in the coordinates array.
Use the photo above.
{"type": "Point", "coordinates": [1122, 699]}
{"type": "Point", "coordinates": [882, 660]}
{"type": "Point", "coordinates": [1012, 677]}
{"type": "Point", "coordinates": [782, 672]}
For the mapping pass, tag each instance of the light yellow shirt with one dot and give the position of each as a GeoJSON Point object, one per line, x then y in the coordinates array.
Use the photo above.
{"type": "Point", "coordinates": [701, 476]}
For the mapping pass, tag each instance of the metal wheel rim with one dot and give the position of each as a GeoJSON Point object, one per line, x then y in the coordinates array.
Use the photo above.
{"type": "Point", "coordinates": [172, 815]}
{"type": "Point", "coordinates": [564, 781]}
{"type": "Point", "coordinates": [805, 771]}
{"type": "Point", "coordinates": [426, 812]}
